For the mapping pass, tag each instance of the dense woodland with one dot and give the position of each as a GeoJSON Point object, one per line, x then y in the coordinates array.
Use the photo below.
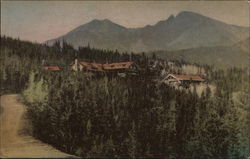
{"type": "Point", "coordinates": [135, 116]}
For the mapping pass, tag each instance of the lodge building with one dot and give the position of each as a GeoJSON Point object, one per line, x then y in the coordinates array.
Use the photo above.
{"type": "Point", "coordinates": [107, 67]}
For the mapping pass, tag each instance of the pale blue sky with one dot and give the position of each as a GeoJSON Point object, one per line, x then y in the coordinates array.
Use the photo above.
{"type": "Point", "coordinates": [39, 21]}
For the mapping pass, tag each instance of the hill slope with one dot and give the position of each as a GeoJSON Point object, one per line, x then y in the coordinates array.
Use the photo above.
{"type": "Point", "coordinates": [235, 55]}
{"type": "Point", "coordinates": [244, 45]}
{"type": "Point", "coordinates": [186, 30]}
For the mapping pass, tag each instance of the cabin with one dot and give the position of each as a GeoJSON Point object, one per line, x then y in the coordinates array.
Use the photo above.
{"type": "Point", "coordinates": [51, 68]}
{"type": "Point", "coordinates": [183, 79]}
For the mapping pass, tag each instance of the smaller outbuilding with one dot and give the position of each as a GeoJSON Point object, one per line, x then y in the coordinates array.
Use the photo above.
{"type": "Point", "coordinates": [51, 68]}
{"type": "Point", "coordinates": [183, 79]}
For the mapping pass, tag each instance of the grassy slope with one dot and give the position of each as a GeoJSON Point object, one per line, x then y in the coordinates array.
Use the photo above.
{"type": "Point", "coordinates": [219, 56]}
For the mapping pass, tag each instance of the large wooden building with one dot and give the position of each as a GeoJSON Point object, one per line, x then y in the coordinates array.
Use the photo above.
{"type": "Point", "coordinates": [118, 67]}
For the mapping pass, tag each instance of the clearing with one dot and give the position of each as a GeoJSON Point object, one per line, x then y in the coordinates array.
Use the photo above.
{"type": "Point", "coordinates": [14, 141]}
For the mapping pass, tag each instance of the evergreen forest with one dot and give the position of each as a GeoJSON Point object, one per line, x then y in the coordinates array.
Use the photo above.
{"type": "Point", "coordinates": [132, 116]}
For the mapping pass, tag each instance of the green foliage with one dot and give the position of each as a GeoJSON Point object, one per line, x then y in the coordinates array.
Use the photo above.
{"type": "Point", "coordinates": [133, 117]}
{"type": "Point", "coordinates": [132, 143]}
{"type": "Point", "coordinates": [36, 92]}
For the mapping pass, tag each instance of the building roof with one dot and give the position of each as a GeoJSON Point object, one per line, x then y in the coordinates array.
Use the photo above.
{"type": "Point", "coordinates": [117, 65]}
{"type": "Point", "coordinates": [92, 66]}
{"type": "Point", "coordinates": [51, 68]}
{"type": "Point", "coordinates": [187, 77]}
{"type": "Point", "coordinates": [105, 67]}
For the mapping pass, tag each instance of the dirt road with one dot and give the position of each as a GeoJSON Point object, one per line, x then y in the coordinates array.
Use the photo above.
{"type": "Point", "coordinates": [16, 144]}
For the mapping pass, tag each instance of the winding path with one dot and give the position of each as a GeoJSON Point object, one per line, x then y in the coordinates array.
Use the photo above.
{"type": "Point", "coordinates": [14, 142]}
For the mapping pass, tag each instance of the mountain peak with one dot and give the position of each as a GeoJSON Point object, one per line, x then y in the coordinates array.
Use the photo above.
{"type": "Point", "coordinates": [171, 17]}
{"type": "Point", "coordinates": [191, 15]}
{"type": "Point", "coordinates": [187, 13]}
{"type": "Point", "coordinates": [98, 21]}
{"type": "Point", "coordinates": [104, 23]}
{"type": "Point", "coordinates": [167, 21]}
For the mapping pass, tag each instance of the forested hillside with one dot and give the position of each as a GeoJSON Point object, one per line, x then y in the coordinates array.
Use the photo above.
{"type": "Point", "coordinates": [133, 116]}
{"type": "Point", "coordinates": [222, 56]}
{"type": "Point", "coordinates": [19, 58]}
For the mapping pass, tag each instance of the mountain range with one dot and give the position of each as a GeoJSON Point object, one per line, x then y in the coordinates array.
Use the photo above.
{"type": "Point", "coordinates": [183, 31]}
